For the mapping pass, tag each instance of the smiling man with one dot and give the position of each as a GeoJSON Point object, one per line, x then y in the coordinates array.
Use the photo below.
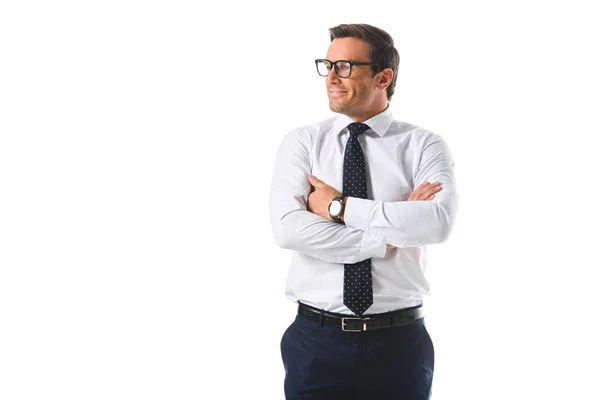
{"type": "Point", "coordinates": [358, 197]}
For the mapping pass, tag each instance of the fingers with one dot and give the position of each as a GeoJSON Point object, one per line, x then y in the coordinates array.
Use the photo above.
{"type": "Point", "coordinates": [430, 190]}
{"type": "Point", "coordinates": [425, 191]}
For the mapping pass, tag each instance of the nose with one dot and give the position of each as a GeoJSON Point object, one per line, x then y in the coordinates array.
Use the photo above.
{"type": "Point", "coordinates": [332, 76]}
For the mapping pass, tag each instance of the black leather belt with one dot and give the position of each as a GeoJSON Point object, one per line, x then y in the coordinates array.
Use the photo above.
{"type": "Point", "coordinates": [367, 322]}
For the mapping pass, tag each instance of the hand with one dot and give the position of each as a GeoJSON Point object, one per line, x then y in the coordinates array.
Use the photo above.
{"type": "Point", "coordinates": [425, 191]}
{"type": "Point", "coordinates": [319, 200]}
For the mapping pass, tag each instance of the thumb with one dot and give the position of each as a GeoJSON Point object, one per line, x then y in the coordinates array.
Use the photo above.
{"type": "Point", "coordinates": [315, 181]}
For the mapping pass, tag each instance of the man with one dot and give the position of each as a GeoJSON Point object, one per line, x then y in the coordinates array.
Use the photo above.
{"type": "Point", "coordinates": [358, 197]}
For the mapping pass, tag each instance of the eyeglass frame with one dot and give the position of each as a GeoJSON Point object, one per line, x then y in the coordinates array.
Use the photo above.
{"type": "Point", "coordinates": [335, 68]}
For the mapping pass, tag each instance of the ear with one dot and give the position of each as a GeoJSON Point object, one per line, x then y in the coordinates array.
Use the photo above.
{"type": "Point", "coordinates": [385, 79]}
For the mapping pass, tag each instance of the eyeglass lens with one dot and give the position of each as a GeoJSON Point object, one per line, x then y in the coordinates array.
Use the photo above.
{"type": "Point", "coordinates": [342, 68]}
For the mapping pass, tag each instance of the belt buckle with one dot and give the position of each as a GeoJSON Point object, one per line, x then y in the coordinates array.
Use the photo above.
{"type": "Point", "coordinates": [364, 327]}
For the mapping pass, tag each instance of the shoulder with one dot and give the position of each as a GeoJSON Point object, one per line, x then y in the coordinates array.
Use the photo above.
{"type": "Point", "coordinates": [415, 133]}
{"type": "Point", "coordinates": [308, 134]}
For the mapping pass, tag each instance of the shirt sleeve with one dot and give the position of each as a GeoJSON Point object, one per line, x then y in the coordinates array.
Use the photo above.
{"type": "Point", "coordinates": [413, 223]}
{"type": "Point", "coordinates": [296, 228]}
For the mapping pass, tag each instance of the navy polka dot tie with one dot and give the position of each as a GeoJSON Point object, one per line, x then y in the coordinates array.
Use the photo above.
{"type": "Point", "coordinates": [358, 283]}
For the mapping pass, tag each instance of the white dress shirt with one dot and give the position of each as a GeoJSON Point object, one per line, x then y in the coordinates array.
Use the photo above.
{"type": "Point", "coordinates": [399, 157]}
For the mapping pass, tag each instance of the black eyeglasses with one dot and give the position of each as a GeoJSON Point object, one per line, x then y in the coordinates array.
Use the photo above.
{"type": "Point", "coordinates": [343, 68]}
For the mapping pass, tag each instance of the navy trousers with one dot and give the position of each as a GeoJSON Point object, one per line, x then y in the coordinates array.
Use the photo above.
{"type": "Point", "coordinates": [323, 362]}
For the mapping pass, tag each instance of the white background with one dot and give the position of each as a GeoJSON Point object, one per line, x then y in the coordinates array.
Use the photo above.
{"type": "Point", "coordinates": [136, 151]}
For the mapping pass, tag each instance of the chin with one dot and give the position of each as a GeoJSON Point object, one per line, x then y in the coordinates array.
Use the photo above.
{"type": "Point", "coordinates": [336, 107]}
{"type": "Point", "coordinates": [340, 108]}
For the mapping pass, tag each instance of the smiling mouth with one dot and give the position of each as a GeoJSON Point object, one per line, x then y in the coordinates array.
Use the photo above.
{"type": "Point", "coordinates": [337, 92]}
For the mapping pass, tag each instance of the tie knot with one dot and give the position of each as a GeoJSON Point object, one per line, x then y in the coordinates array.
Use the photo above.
{"type": "Point", "coordinates": [356, 128]}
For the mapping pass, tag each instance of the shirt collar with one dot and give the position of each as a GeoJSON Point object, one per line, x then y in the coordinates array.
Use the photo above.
{"type": "Point", "coordinates": [379, 123]}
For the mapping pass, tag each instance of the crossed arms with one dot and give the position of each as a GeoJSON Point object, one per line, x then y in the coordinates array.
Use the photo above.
{"type": "Point", "coordinates": [300, 220]}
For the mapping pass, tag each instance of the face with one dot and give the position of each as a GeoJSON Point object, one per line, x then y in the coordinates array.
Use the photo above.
{"type": "Point", "coordinates": [358, 96]}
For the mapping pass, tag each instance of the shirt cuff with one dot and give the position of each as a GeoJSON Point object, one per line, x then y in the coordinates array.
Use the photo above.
{"type": "Point", "coordinates": [357, 213]}
{"type": "Point", "coordinates": [373, 246]}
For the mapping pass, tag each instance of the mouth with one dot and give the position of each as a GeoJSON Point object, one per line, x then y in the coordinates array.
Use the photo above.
{"type": "Point", "coordinates": [337, 92]}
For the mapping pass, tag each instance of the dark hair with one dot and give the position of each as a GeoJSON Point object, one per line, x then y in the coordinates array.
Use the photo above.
{"type": "Point", "coordinates": [381, 48]}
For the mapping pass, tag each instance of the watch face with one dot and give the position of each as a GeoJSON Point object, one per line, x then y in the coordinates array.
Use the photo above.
{"type": "Point", "coordinates": [335, 207]}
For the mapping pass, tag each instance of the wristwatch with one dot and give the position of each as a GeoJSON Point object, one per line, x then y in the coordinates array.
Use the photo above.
{"type": "Point", "coordinates": [336, 208]}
